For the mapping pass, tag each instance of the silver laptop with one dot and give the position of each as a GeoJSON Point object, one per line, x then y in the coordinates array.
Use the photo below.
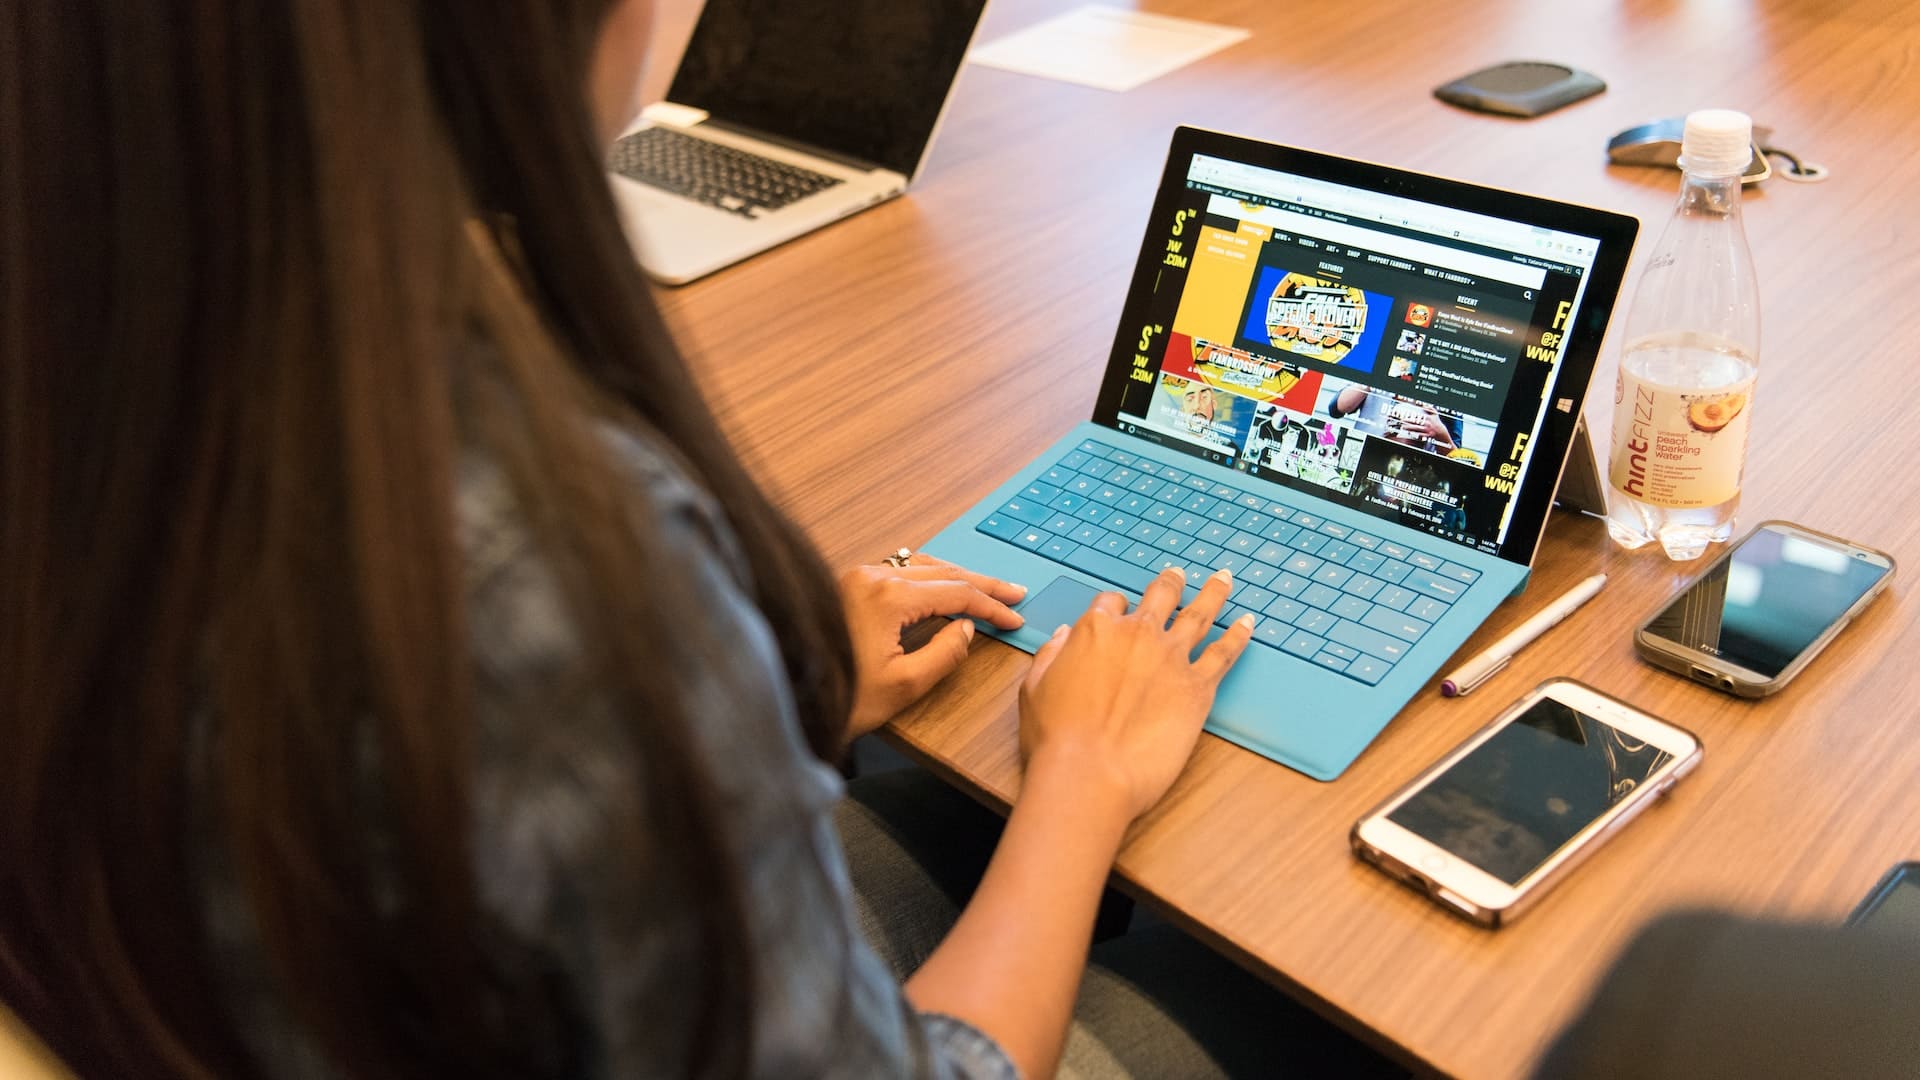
{"type": "Point", "coordinates": [783, 116]}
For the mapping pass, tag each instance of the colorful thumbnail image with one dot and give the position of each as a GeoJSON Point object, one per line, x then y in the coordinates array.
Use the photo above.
{"type": "Point", "coordinates": [1402, 367]}
{"type": "Point", "coordinates": [1310, 448]}
{"type": "Point", "coordinates": [1198, 413]}
{"type": "Point", "coordinates": [1419, 314]}
{"type": "Point", "coordinates": [1407, 421]}
{"type": "Point", "coordinates": [1412, 341]}
{"type": "Point", "coordinates": [1419, 486]}
{"type": "Point", "coordinates": [1316, 318]}
{"type": "Point", "coordinates": [1240, 372]}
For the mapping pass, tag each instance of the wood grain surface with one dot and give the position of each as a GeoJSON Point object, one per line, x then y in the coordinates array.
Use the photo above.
{"type": "Point", "coordinates": [885, 373]}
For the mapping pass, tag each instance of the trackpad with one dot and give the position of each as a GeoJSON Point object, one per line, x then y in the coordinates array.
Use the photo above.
{"type": "Point", "coordinates": [1057, 605]}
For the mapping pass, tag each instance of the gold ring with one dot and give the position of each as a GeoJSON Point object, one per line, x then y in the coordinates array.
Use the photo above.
{"type": "Point", "coordinates": [899, 558]}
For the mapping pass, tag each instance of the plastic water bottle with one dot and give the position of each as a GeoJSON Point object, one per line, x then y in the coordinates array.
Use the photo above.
{"type": "Point", "coordinates": [1683, 402]}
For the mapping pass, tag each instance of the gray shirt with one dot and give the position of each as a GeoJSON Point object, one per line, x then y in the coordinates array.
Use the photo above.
{"type": "Point", "coordinates": [554, 769]}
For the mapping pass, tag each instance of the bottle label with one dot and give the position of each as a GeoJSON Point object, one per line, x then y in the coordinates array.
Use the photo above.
{"type": "Point", "coordinates": [1679, 450]}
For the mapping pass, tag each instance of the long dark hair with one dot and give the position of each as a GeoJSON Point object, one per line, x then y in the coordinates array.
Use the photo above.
{"type": "Point", "coordinates": [266, 267]}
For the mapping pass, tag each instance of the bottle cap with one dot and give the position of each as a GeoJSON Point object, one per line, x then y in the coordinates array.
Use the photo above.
{"type": "Point", "coordinates": [1718, 142]}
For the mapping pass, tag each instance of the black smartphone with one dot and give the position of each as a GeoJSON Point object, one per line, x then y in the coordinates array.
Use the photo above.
{"type": "Point", "coordinates": [1894, 904]}
{"type": "Point", "coordinates": [1764, 609]}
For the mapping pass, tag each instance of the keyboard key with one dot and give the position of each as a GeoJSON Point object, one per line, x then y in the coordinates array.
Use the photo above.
{"type": "Point", "coordinates": [1252, 521]}
{"type": "Point", "coordinates": [1096, 449]}
{"type": "Point", "coordinates": [1058, 548]}
{"type": "Point", "coordinates": [1306, 520]}
{"type": "Point", "coordinates": [1303, 644]}
{"type": "Point", "coordinates": [1333, 575]}
{"type": "Point", "coordinates": [1337, 551]}
{"type": "Point", "coordinates": [1122, 477]}
{"type": "Point", "coordinates": [1112, 543]}
{"type": "Point", "coordinates": [1142, 465]}
{"type": "Point", "coordinates": [1463, 574]}
{"type": "Point", "coordinates": [1096, 469]}
{"type": "Point", "coordinates": [1172, 475]}
{"type": "Point", "coordinates": [1393, 571]}
{"type": "Point", "coordinates": [1369, 670]}
{"type": "Point", "coordinates": [1165, 561]}
{"type": "Point", "coordinates": [1186, 524]}
{"type": "Point", "coordinates": [1067, 502]}
{"type": "Point", "coordinates": [1350, 607]}
{"type": "Point", "coordinates": [1215, 533]}
{"type": "Point", "coordinates": [1096, 513]}
{"type": "Point", "coordinates": [1368, 640]}
{"type": "Point", "coordinates": [1395, 597]}
{"type": "Point", "coordinates": [1201, 551]}
{"type": "Point", "coordinates": [1272, 553]}
{"type": "Point", "coordinates": [1107, 568]}
{"type": "Point", "coordinates": [1303, 565]}
{"type": "Point", "coordinates": [1200, 504]}
{"type": "Point", "coordinates": [1000, 526]}
{"type": "Point", "coordinates": [1335, 530]}
{"type": "Point", "coordinates": [1289, 585]}
{"type": "Point", "coordinates": [1222, 491]}
{"type": "Point", "coordinates": [1041, 493]}
{"type": "Point", "coordinates": [1425, 561]}
{"type": "Point", "coordinates": [1060, 523]}
{"type": "Point", "coordinates": [1168, 540]}
{"type": "Point", "coordinates": [1231, 613]}
{"type": "Point", "coordinates": [1273, 632]}
{"type": "Point", "coordinates": [1172, 495]}
{"type": "Point", "coordinates": [1056, 476]}
{"type": "Point", "coordinates": [1226, 513]}
{"type": "Point", "coordinates": [1392, 550]}
{"type": "Point", "coordinates": [1331, 660]}
{"type": "Point", "coordinates": [1252, 596]}
{"type": "Point", "coordinates": [1279, 511]}
{"type": "Point", "coordinates": [1159, 513]}
{"type": "Point", "coordinates": [1032, 539]}
{"type": "Point", "coordinates": [1073, 461]}
{"type": "Point", "coordinates": [1366, 562]}
{"type": "Point", "coordinates": [1146, 532]}
{"type": "Point", "coordinates": [1243, 543]}
{"type": "Point", "coordinates": [1280, 532]}
{"type": "Point", "coordinates": [1434, 585]}
{"type": "Point", "coordinates": [1344, 652]}
{"type": "Point", "coordinates": [1318, 595]}
{"type": "Point", "coordinates": [1146, 485]}
{"type": "Point", "coordinates": [1140, 554]}
{"type": "Point", "coordinates": [1198, 483]}
{"type": "Point", "coordinates": [1029, 512]}
{"type": "Point", "coordinates": [1427, 608]}
{"type": "Point", "coordinates": [1229, 561]}
{"type": "Point", "coordinates": [1364, 587]}
{"type": "Point", "coordinates": [1365, 540]}
{"type": "Point", "coordinates": [1309, 542]}
{"type": "Point", "coordinates": [1082, 485]}
{"type": "Point", "coordinates": [1118, 522]}
{"type": "Point", "coordinates": [1107, 494]}
{"type": "Point", "coordinates": [1258, 573]}
{"type": "Point", "coordinates": [1284, 609]}
{"type": "Point", "coordinates": [1120, 457]}
{"type": "Point", "coordinates": [1251, 501]}
{"type": "Point", "coordinates": [1392, 622]}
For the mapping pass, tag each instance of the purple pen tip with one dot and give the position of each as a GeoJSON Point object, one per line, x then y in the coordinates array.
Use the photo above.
{"type": "Point", "coordinates": [1447, 689]}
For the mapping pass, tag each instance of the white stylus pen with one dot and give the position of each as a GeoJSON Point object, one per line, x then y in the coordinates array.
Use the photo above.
{"type": "Point", "coordinates": [1480, 668]}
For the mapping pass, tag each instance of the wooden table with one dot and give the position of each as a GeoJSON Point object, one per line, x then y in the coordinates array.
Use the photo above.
{"type": "Point", "coordinates": [885, 373]}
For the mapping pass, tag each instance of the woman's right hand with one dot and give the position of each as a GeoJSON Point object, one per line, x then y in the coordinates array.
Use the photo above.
{"type": "Point", "coordinates": [1118, 698]}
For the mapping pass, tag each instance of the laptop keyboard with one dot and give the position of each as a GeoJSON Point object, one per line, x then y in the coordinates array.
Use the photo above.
{"type": "Point", "coordinates": [1319, 590]}
{"type": "Point", "coordinates": [708, 172]}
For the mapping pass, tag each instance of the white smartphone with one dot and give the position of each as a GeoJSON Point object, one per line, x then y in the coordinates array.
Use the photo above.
{"type": "Point", "coordinates": [1491, 827]}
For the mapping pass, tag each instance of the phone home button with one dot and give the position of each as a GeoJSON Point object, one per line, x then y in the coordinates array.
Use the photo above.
{"type": "Point", "coordinates": [1434, 863]}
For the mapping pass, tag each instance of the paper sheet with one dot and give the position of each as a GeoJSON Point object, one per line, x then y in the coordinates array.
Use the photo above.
{"type": "Point", "coordinates": [1107, 48]}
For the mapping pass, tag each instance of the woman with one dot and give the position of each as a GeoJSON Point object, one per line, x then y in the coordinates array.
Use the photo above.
{"type": "Point", "coordinates": [392, 684]}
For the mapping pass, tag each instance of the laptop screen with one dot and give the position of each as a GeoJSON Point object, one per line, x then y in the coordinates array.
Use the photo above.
{"type": "Point", "coordinates": [1389, 352]}
{"type": "Point", "coordinates": [865, 79]}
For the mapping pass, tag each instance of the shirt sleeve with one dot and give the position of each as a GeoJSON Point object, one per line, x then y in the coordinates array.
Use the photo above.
{"type": "Point", "coordinates": [562, 866]}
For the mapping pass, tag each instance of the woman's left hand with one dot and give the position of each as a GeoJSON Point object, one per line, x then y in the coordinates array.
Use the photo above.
{"type": "Point", "coordinates": [882, 601]}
